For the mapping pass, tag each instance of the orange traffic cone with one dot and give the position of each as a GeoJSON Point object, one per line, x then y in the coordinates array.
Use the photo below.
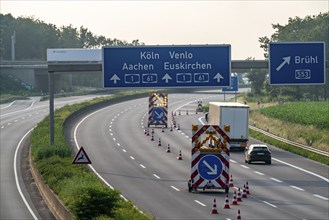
{"type": "Point", "coordinates": [234, 202]}
{"type": "Point", "coordinates": [239, 196]}
{"type": "Point", "coordinates": [171, 128]}
{"type": "Point", "coordinates": [238, 217]}
{"type": "Point", "coordinates": [231, 182]}
{"type": "Point", "coordinates": [178, 128]}
{"type": "Point", "coordinates": [186, 111]}
{"type": "Point", "coordinates": [168, 149]}
{"type": "Point", "coordinates": [244, 194]}
{"type": "Point", "coordinates": [162, 129]}
{"type": "Point", "coordinates": [214, 208]}
{"type": "Point", "coordinates": [152, 137]}
{"type": "Point", "coordinates": [159, 143]}
{"type": "Point", "coordinates": [247, 188]}
{"type": "Point", "coordinates": [147, 132]}
{"type": "Point", "coordinates": [180, 156]}
{"type": "Point", "coordinates": [227, 205]}
{"type": "Point", "coordinates": [178, 112]}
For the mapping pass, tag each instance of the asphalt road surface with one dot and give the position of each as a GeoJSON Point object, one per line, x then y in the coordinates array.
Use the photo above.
{"type": "Point", "coordinates": [155, 181]}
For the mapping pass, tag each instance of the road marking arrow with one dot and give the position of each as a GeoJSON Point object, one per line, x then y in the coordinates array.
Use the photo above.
{"type": "Point", "coordinates": [285, 60]}
{"type": "Point", "coordinates": [218, 77]}
{"type": "Point", "coordinates": [166, 78]}
{"type": "Point", "coordinates": [213, 171]}
{"type": "Point", "coordinates": [115, 78]}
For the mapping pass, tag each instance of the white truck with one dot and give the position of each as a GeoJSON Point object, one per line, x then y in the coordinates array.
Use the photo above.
{"type": "Point", "coordinates": [233, 118]}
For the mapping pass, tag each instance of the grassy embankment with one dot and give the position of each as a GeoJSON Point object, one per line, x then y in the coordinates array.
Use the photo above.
{"type": "Point", "coordinates": [83, 193]}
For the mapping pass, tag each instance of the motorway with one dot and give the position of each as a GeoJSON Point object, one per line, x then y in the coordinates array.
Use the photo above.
{"type": "Point", "coordinates": [17, 119]}
{"type": "Point", "coordinates": [155, 181]}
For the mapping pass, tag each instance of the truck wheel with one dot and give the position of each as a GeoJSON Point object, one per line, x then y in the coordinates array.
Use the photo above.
{"type": "Point", "coordinates": [249, 161]}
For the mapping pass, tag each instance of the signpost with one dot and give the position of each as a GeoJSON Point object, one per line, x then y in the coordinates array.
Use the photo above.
{"type": "Point", "coordinates": [301, 63]}
{"type": "Point", "coordinates": [210, 167]}
{"type": "Point", "coordinates": [167, 66]}
{"type": "Point", "coordinates": [234, 85]}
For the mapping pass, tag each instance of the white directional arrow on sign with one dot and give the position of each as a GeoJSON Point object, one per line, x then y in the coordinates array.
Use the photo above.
{"type": "Point", "coordinates": [115, 78]}
{"type": "Point", "coordinates": [285, 60]}
{"type": "Point", "coordinates": [166, 78]}
{"type": "Point", "coordinates": [213, 171]}
{"type": "Point", "coordinates": [218, 77]}
{"type": "Point", "coordinates": [159, 115]}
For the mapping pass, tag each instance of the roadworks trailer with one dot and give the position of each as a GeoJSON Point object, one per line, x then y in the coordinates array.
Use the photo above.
{"type": "Point", "coordinates": [210, 158]}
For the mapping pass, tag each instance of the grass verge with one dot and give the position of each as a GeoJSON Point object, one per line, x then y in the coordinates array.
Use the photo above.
{"type": "Point", "coordinates": [82, 192]}
{"type": "Point", "coordinates": [305, 153]}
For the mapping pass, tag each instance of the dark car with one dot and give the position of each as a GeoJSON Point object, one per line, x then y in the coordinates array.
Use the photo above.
{"type": "Point", "coordinates": [258, 152]}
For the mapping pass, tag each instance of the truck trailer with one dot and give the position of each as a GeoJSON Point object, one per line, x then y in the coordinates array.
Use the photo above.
{"type": "Point", "coordinates": [233, 117]}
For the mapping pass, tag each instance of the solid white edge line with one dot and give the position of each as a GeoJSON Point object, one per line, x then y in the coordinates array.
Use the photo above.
{"type": "Point", "coordinates": [16, 176]}
{"type": "Point", "coordinates": [301, 169]}
{"type": "Point", "coordinates": [321, 197]}
{"type": "Point", "coordinates": [200, 203]}
{"type": "Point", "coordinates": [270, 204]}
{"type": "Point", "coordinates": [175, 188]}
{"type": "Point", "coordinates": [10, 104]}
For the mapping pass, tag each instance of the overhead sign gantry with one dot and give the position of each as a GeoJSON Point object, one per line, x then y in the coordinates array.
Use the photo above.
{"type": "Point", "coordinates": [167, 66]}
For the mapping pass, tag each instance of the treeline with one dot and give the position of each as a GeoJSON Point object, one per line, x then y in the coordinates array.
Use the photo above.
{"type": "Point", "coordinates": [308, 29]}
{"type": "Point", "coordinates": [34, 36]}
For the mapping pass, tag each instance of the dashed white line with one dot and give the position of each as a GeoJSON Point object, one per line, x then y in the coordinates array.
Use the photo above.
{"type": "Point", "coordinates": [156, 176]}
{"type": "Point", "coordinates": [124, 150]}
{"type": "Point", "coordinates": [321, 197]}
{"type": "Point", "coordinates": [23, 118]}
{"type": "Point", "coordinates": [2, 126]}
{"type": "Point", "coordinates": [187, 136]}
{"type": "Point", "coordinates": [200, 203]}
{"type": "Point", "coordinates": [276, 180]}
{"type": "Point", "coordinates": [182, 133]}
{"type": "Point", "coordinates": [16, 120]}
{"type": "Point", "coordinates": [270, 204]}
{"type": "Point", "coordinates": [30, 115]}
{"type": "Point", "coordinates": [259, 173]}
{"type": "Point", "coordinates": [9, 124]}
{"type": "Point", "coordinates": [111, 134]}
{"type": "Point", "coordinates": [295, 187]}
{"type": "Point", "coordinates": [142, 166]}
{"type": "Point", "coordinates": [131, 157]}
{"type": "Point", "coordinates": [118, 144]}
{"type": "Point", "coordinates": [244, 166]}
{"type": "Point", "coordinates": [175, 188]}
{"type": "Point", "coordinates": [114, 139]}
{"type": "Point", "coordinates": [233, 161]}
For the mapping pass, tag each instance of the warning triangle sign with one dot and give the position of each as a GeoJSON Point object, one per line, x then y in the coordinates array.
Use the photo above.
{"type": "Point", "coordinates": [81, 157]}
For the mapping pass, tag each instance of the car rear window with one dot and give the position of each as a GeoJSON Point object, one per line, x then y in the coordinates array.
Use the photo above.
{"type": "Point", "coordinates": [260, 148]}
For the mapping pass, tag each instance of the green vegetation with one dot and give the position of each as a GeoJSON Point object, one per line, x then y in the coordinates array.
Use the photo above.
{"type": "Point", "coordinates": [288, 147]}
{"type": "Point", "coordinates": [86, 196]}
{"type": "Point", "coordinates": [305, 113]}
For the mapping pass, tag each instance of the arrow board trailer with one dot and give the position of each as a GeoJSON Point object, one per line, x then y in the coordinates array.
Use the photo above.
{"type": "Point", "coordinates": [210, 158]}
{"type": "Point", "coordinates": [158, 109]}
{"type": "Point", "coordinates": [167, 66]}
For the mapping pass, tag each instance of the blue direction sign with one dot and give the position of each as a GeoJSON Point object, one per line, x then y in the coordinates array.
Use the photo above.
{"type": "Point", "coordinates": [167, 66]}
{"type": "Point", "coordinates": [234, 85]}
{"type": "Point", "coordinates": [210, 167]}
{"type": "Point", "coordinates": [301, 63]}
{"type": "Point", "coordinates": [158, 114]}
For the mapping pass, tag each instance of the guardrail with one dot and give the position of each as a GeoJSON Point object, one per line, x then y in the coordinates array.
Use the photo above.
{"type": "Point", "coordinates": [295, 144]}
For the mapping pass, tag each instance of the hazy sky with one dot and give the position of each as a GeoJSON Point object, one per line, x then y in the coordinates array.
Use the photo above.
{"type": "Point", "coordinates": [239, 23]}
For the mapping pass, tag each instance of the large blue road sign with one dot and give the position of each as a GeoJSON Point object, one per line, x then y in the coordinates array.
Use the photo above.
{"type": "Point", "coordinates": [167, 66]}
{"type": "Point", "coordinates": [234, 85]}
{"type": "Point", "coordinates": [297, 63]}
{"type": "Point", "coordinates": [210, 167]}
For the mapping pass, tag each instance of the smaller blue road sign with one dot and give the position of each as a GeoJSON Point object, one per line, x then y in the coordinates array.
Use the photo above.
{"type": "Point", "coordinates": [158, 114]}
{"type": "Point", "coordinates": [234, 85]}
{"type": "Point", "coordinates": [301, 63]}
{"type": "Point", "coordinates": [210, 167]}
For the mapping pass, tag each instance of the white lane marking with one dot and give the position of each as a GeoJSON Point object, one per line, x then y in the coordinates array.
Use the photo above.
{"type": "Point", "coordinates": [131, 157]}
{"type": "Point", "coordinates": [270, 204]}
{"type": "Point", "coordinates": [16, 176]}
{"type": "Point", "coordinates": [2, 126]}
{"type": "Point", "coordinates": [23, 118]}
{"type": "Point", "coordinates": [9, 124]}
{"type": "Point", "coordinates": [118, 144]}
{"type": "Point", "coordinates": [30, 115]}
{"type": "Point", "coordinates": [110, 130]}
{"type": "Point", "coordinates": [10, 104]}
{"type": "Point", "coordinates": [301, 169]}
{"type": "Point", "coordinates": [259, 173]}
{"type": "Point", "coordinates": [295, 187]}
{"type": "Point", "coordinates": [187, 136]}
{"type": "Point", "coordinates": [200, 203]}
{"type": "Point", "coordinates": [276, 180]}
{"type": "Point", "coordinates": [142, 166]}
{"type": "Point", "coordinates": [244, 166]}
{"type": "Point", "coordinates": [182, 133]}
{"type": "Point", "coordinates": [114, 139]}
{"type": "Point", "coordinates": [175, 188]}
{"type": "Point", "coordinates": [124, 150]}
{"type": "Point", "coordinates": [111, 134]}
{"type": "Point", "coordinates": [233, 161]}
{"type": "Point", "coordinates": [321, 197]}
{"type": "Point", "coordinates": [110, 126]}
{"type": "Point", "coordinates": [156, 176]}
{"type": "Point", "coordinates": [16, 120]}
{"type": "Point", "coordinates": [10, 113]}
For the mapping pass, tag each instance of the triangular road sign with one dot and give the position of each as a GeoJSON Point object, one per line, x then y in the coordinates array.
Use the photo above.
{"type": "Point", "coordinates": [81, 157]}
